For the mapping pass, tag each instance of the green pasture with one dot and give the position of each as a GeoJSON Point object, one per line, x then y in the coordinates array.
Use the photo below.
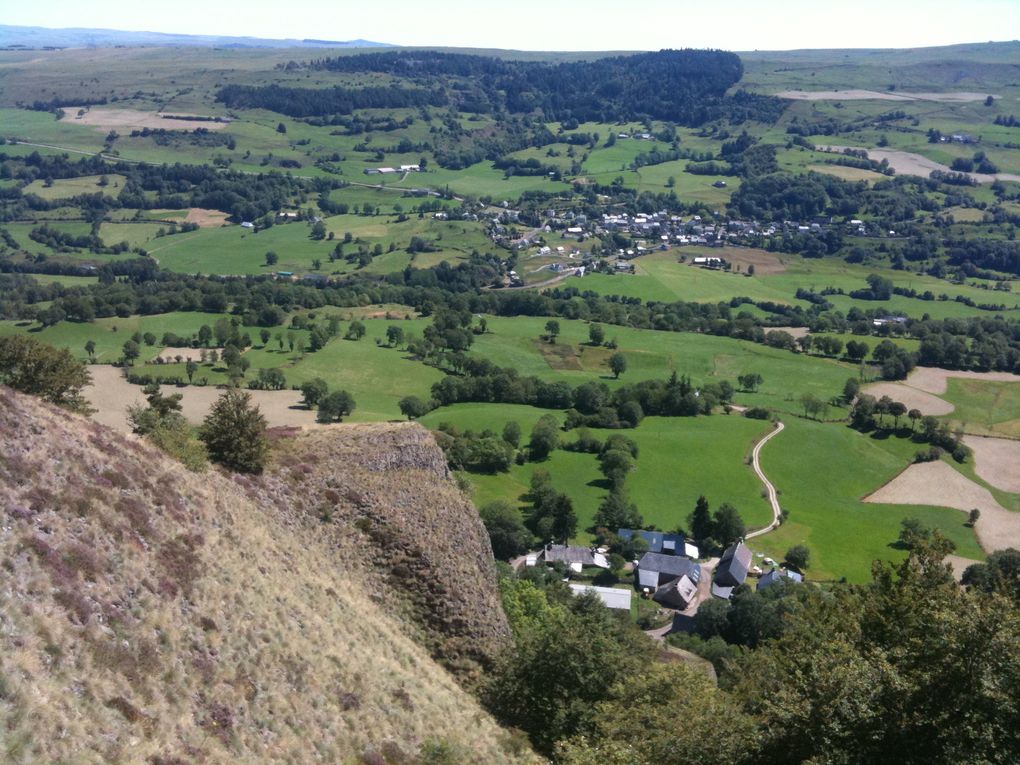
{"type": "Point", "coordinates": [822, 472]}
{"type": "Point", "coordinates": [660, 276]}
{"type": "Point", "coordinates": [70, 187]}
{"type": "Point", "coordinates": [110, 334]}
{"type": "Point", "coordinates": [653, 354]}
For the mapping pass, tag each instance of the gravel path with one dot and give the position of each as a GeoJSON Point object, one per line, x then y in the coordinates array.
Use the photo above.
{"type": "Point", "coordinates": [773, 495]}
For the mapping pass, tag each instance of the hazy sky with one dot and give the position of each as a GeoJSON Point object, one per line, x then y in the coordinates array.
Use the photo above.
{"type": "Point", "coordinates": [554, 24]}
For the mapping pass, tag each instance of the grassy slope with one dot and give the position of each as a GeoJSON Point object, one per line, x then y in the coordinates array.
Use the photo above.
{"type": "Point", "coordinates": [823, 471]}
{"type": "Point", "coordinates": [227, 632]}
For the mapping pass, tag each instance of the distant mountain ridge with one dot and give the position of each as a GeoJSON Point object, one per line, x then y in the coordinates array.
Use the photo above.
{"type": "Point", "coordinates": [43, 37]}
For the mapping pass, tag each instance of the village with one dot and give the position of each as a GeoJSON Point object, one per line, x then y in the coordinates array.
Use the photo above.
{"type": "Point", "coordinates": [666, 569]}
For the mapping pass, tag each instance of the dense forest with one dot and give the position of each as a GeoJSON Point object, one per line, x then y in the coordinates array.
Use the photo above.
{"type": "Point", "coordinates": [317, 102]}
{"type": "Point", "coordinates": [684, 86]}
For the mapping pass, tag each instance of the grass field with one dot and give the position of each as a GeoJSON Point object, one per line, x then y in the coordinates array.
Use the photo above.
{"type": "Point", "coordinates": [680, 458]}
{"type": "Point", "coordinates": [984, 407]}
{"type": "Point", "coordinates": [659, 276]}
{"type": "Point", "coordinates": [844, 534]}
{"type": "Point", "coordinates": [655, 354]}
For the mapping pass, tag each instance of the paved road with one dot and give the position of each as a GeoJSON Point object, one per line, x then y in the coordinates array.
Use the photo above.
{"type": "Point", "coordinates": [773, 496]}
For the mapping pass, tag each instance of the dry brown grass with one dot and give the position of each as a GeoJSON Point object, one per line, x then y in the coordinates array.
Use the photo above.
{"type": "Point", "coordinates": [934, 380]}
{"type": "Point", "coordinates": [911, 397]}
{"type": "Point", "coordinates": [154, 616]}
{"type": "Point", "coordinates": [997, 461]}
{"type": "Point", "coordinates": [206, 218]}
{"type": "Point", "coordinates": [104, 119]}
{"type": "Point", "coordinates": [110, 394]}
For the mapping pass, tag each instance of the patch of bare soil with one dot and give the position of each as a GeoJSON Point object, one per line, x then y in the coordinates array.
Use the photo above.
{"type": "Point", "coordinates": [912, 398]}
{"type": "Point", "coordinates": [111, 394]}
{"type": "Point", "coordinates": [559, 355]}
{"type": "Point", "coordinates": [765, 263]}
{"type": "Point", "coordinates": [795, 331]}
{"type": "Point", "coordinates": [996, 460]}
{"type": "Point", "coordinates": [206, 218]}
{"type": "Point", "coordinates": [935, 380]}
{"type": "Point", "coordinates": [876, 95]}
{"type": "Point", "coordinates": [959, 564]}
{"type": "Point", "coordinates": [186, 354]}
{"type": "Point", "coordinates": [841, 95]}
{"type": "Point", "coordinates": [134, 119]}
{"type": "Point", "coordinates": [908, 163]}
{"type": "Point", "coordinates": [939, 485]}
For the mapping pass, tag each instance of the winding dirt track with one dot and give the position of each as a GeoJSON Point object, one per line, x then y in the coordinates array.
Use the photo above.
{"type": "Point", "coordinates": [773, 495]}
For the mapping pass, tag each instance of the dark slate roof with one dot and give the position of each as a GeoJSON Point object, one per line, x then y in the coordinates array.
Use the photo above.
{"type": "Point", "coordinates": [569, 554]}
{"type": "Point", "coordinates": [733, 566]}
{"type": "Point", "coordinates": [658, 541]}
{"type": "Point", "coordinates": [676, 593]}
{"type": "Point", "coordinates": [672, 565]}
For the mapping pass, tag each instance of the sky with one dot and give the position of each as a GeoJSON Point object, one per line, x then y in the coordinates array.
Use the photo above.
{"type": "Point", "coordinates": [740, 25]}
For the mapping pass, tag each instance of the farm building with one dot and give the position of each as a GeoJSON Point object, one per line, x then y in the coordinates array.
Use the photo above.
{"type": "Point", "coordinates": [677, 593]}
{"type": "Point", "coordinates": [610, 596]}
{"type": "Point", "coordinates": [708, 262]}
{"type": "Point", "coordinates": [574, 556]}
{"type": "Point", "coordinates": [656, 569]}
{"type": "Point", "coordinates": [732, 570]}
{"type": "Point", "coordinates": [778, 575]}
{"type": "Point", "coordinates": [410, 168]}
{"type": "Point", "coordinates": [660, 542]}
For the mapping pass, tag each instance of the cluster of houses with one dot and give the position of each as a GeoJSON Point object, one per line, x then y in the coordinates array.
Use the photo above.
{"type": "Point", "coordinates": [668, 573]}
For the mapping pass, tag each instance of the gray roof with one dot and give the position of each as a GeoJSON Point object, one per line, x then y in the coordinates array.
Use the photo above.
{"type": "Point", "coordinates": [722, 592]}
{"type": "Point", "coordinates": [670, 564]}
{"type": "Point", "coordinates": [733, 566]}
{"type": "Point", "coordinates": [676, 593]}
{"type": "Point", "coordinates": [655, 566]}
{"type": "Point", "coordinates": [611, 596]}
{"type": "Point", "coordinates": [569, 554]}
{"type": "Point", "coordinates": [778, 575]}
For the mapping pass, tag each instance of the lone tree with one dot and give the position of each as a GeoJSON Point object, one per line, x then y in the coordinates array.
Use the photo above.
{"type": "Point", "coordinates": [131, 352]}
{"type": "Point", "coordinates": [394, 335]}
{"type": "Point", "coordinates": [798, 557]}
{"type": "Point", "coordinates": [596, 334]}
{"type": "Point", "coordinates": [90, 349]}
{"type": "Point", "coordinates": [413, 407]}
{"type": "Point", "coordinates": [727, 525]}
{"type": "Point", "coordinates": [234, 433]}
{"type": "Point", "coordinates": [750, 381]}
{"type": "Point", "coordinates": [335, 407]}
{"type": "Point", "coordinates": [190, 368]}
{"type": "Point", "coordinates": [272, 258]}
{"type": "Point", "coordinates": [618, 364]}
{"type": "Point", "coordinates": [700, 521]}
{"type": "Point", "coordinates": [314, 391]}
{"type": "Point", "coordinates": [552, 329]}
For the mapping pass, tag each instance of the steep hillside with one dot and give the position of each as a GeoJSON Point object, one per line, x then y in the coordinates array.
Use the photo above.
{"type": "Point", "coordinates": [382, 496]}
{"type": "Point", "coordinates": [148, 614]}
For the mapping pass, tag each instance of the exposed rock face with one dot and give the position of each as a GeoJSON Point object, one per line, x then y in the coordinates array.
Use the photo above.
{"type": "Point", "coordinates": [386, 496]}
{"type": "Point", "coordinates": [152, 615]}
